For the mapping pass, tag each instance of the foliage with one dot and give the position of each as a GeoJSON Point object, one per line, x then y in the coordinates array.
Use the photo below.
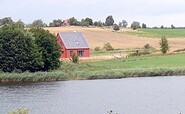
{"type": "Point", "coordinates": [89, 21]}
{"type": "Point", "coordinates": [98, 23]}
{"type": "Point", "coordinates": [172, 27]}
{"type": "Point", "coordinates": [144, 25]}
{"type": "Point", "coordinates": [17, 50]}
{"type": "Point", "coordinates": [20, 23]}
{"type": "Point", "coordinates": [135, 25]}
{"type": "Point", "coordinates": [124, 23]}
{"type": "Point", "coordinates": [55, 23]}
{"type": "Point", "coordinates": [47, 45]}
{"type": "Point", "coordinates": [109, 21]}
{"type": "Point", "coordinates": [74, 21]}
{"type": "Point", "coordinates": [6, 20]}
{"type": "Point", "coordinates": [162, 27]}
{"type": "Point", "coordinates": [74, 58]}
{"type": "Point", "coordinates": [20, 111]}
{"type": "Point", "coordinates": [116, 27]}
{"type": "Point", "coordinates": [108, 47]}
{"type": "Point", "coordinates": [164, 45]}
{"type": "Point", "coordinates": [84, 23]}
{"type": "Point", "coordinates": [147, 46]}
{"type": "Point", "coordinates": [38, 23]}
{"type": "Point", "coordinates": [97, 49]}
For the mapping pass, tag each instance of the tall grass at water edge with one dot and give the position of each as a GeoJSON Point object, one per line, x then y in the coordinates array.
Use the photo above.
{"type": "Point", "coordinates": [32, 77]}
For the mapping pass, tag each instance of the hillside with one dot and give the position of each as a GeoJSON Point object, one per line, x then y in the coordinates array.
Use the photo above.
{"type": "Point", "coordinates": [123, 40]}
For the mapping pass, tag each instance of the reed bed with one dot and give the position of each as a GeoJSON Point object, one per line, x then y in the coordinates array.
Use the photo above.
{"type": "Point", "coordinates": [32, 77]}
{"type": "Point", "coordinates": [125, 73]}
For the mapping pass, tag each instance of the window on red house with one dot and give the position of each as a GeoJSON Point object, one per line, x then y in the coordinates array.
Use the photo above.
{"type": "Point", "coordinates": [71, 53]}
{"type": "Point", "coordinates": [81, 53]}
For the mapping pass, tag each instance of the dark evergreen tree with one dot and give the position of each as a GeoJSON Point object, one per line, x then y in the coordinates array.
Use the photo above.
{"type": "Point", "coordinates": [47, 45]}
{"type": "Point", "coordinates": [17, 50]}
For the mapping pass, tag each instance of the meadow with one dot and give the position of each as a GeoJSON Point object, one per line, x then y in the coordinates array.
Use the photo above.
{"type": "Point", "coordinates": [158, 33]}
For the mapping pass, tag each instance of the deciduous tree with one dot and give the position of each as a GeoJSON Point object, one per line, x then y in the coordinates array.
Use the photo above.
{"type": "Point", "coordinates": [47, 45]}
{"type": "Point", "coordinates": [109, 21]}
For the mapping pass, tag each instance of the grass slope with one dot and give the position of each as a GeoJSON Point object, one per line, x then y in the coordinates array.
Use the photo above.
{"type": "Point", "coordinates": [167, 65]}
{"type": "Point", "coordinates": [158, 33]}
{"type": "Point", "coordinates": [173, 61]}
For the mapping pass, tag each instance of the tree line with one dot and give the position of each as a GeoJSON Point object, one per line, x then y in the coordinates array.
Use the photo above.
{"type": "Point", "coordinates": [109, 21]}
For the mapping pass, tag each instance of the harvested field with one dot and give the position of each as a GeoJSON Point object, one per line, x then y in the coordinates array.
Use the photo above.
{"type": "Point", "coordinates": [99, 36]}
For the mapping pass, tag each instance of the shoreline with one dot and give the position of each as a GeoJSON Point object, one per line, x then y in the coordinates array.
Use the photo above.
{"type": "Point", "coordinates": [90, 75]}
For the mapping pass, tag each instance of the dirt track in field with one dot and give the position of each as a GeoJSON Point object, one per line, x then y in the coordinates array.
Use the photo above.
{"type": "Point", "coordinates": [99, 36]}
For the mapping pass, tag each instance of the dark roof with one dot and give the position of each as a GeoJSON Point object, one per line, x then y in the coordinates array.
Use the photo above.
{"type": "Point", "coordinates": [73, 40]}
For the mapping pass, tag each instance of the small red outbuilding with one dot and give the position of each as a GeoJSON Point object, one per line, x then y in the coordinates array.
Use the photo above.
{"type": "Point", "coordinates": [73, 42]}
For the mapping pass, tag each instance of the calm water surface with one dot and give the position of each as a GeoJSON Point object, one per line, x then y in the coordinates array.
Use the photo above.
{"type": "Point", "coordinates": [156, 95]}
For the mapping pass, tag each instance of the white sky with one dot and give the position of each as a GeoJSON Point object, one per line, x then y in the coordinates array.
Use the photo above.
{"type": "Point", "coordinates": [151, 12]}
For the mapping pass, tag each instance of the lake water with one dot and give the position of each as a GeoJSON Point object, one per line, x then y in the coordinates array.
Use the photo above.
{"type": "Point", "coordinates": [152, 95]}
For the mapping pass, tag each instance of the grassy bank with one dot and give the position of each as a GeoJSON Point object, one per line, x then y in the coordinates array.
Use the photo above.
{"type": "Point", "coordinates": [146, 66]}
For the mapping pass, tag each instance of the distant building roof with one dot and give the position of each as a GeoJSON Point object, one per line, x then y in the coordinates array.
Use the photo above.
{"type": "Point", "coordinates": [73, 40]}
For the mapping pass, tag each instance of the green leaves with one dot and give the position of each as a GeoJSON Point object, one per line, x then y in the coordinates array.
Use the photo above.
{"type": "Point", "coordinates": [22, 51]}
{"type": "Point", "coordinates": [47, 45]}
{"type": "Point", "coordinates": [164, 45]}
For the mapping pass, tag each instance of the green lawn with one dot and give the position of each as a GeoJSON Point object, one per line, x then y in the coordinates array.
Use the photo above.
{"type": "Point", "coordinates": [158, 33]}
{"type": "Point", "coordinates": [172, 61]}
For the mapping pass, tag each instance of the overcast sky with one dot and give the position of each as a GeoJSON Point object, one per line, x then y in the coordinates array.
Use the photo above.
{"type": "Point", "coordinates": [151, 12]}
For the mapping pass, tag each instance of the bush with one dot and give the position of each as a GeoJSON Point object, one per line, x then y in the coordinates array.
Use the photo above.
{"type": "Point", "coordinates": [19, 111]}
{"type": "Point", "coordinates": [116, 27]}
{"type": "Point", "coordinates": [97, 49]}
{"type": "Point", "coordinates": [108, 47]}
{"type": "Point", "coordinates": [147, 46]}
{"type": "Point", "coordinates": [164, 45]}
{"type": "Point", "coordinates": [137, 53]}
{"type": "Point", "coordinates": [75, 58]}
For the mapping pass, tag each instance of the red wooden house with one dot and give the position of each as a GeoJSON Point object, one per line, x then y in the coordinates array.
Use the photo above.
{"type": "Point", "coordinates": [73, 42]}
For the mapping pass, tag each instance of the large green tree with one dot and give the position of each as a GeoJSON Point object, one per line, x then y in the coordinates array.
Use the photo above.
{"type": "Point", "coordinates": [89, 21]}
{"type": "Point", "coordinates": [109, 21]}
{"type": "Point", "coordinates": [47, 45]}
{"type": "Point", "coordinates": [18, 51]}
